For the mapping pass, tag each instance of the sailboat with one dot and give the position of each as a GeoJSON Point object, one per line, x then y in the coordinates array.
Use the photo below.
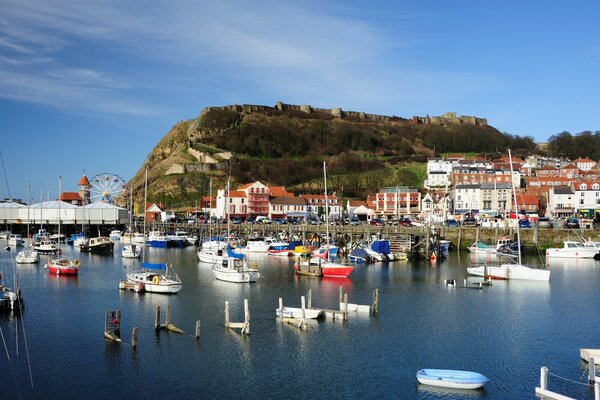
{"type": "Point", "coordinates": [212, 248]}
{"type": "Point", "coordinates": [28, 256]}
{"type": "Point", "coordinates": [62, 265]}
{"type": "Point", "coordinates": [233, 267]}
{"type": "Point", "coordinates": [321, 265]}
{"type": "Point", "coordinates": [511, 270]}
{"type": "Point", "coordinates": [156, 277]}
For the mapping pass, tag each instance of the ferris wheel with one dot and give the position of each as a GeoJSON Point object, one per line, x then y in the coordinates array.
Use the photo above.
{"type": "Point", "coordinates": [108, 188]}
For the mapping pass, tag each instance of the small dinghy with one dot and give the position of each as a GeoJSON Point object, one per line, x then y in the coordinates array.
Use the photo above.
{"type": "Point", "coordinates": [451, 378]}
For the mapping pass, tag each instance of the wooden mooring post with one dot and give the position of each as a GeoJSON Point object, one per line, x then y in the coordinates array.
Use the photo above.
{"type": "Point", "coordinates": [244, 326]}
{"type": "Point", "coordinates": [134, 337]}
{"type": "Point", "coordinates": [543, 392]}
{"type": "Point", "coordinates": [197, 331]}
{"type": "Point", "coordinates": [375, 309]}
{"type": "Point", "coordinates": [112, 325]}
{"type": "Point", "coordinates": [167, 326]}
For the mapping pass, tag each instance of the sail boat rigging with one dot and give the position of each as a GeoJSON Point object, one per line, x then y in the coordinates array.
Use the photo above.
{"type": "Point", "coordinates": [61, 265]}
{"type": "Point", "coordinates": [29, 255]}
{"type": "Point", "coordinates": [511, 270]}
{"type": "Point", "coordinates": [150, 274]}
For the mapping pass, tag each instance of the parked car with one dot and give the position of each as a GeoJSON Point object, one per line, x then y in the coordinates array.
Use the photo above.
{"type": "Point", "coordinates": [377, 222]}
{"type": "Point", "coordinates": [263, 220]}
{"type": "Point", "coordinates": [354, 221]}
{"type": "Point", "coordinates": [544, 222]}
{"type": "Point", "coordinates": [470, 221]}
{"type": "Point", "coordinates": [250, 220]}
{"type": "Point", "coordinates": [405, 222]}
{"type": "Point", "coordinates": [314, 221]}
{"type": "Point", "coordinates": [236, 220]}
{"type": "Point", "coordinates": [279, 221]}
{"type": "Point", "coordinates": [524, 223]}
{"type": "Point", "coordinates": [452, 223]}
{"type": "Point", "coordinates": [572, 223]}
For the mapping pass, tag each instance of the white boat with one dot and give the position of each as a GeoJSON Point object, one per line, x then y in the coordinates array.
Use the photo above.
{"type": "Point", "coordinates": [156, 239]}
{"type": "Point", "coordinates": [452, 379]}
{"type": "Point", "coordinates": [138, 238]}
{"type": "Point", "coordinates": [482, 248]}
{"type": "Point", "coordinates": [45, 246]}
{"type": "Point", "coordinates": [15, 239]}
{"type": "Point", "coordinates": [131, 251]}
{"type": "Point", "coordinates": [81, 241]}
{"type": "Point", "coordinates": [154, 280]}
{"type": "Point", "coordinates": [210, 256]}
{"type": "Point", "coordinates": [115, 235]}
{"type": "Point", "coordinates": [235, 269]}
{"type": "Point", "coordinates": [256, 245]}
{"type": "Point", "coordinates": [573, 249]}
{"type": "Point", "coordinates": [127, 237]}
{"type": "Point", "coordinates": [28, 256]}
{"type": "Point", "coordinates": [294, 312]}
{"type": "Point", "coordinates": [511, 270]}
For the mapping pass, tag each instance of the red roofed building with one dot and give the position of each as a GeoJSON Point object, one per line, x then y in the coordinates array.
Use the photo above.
{"type": "Point", "coordinates": [316, 205]}
{"type": "Point", "coordinates": [547, 171]}
{"type": "Point", "coordinates": [71, 198]}
{"type": "Point", "coordinates": [83, 188]}
{"type": "Point", "coordinates": [153, 211]}
{"type": "Point", "coordinates": [528, 202]}
{"type": "Point", "coordinates": [570, 171]}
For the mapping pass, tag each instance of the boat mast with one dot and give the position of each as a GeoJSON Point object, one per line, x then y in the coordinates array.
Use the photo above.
{"type": "Point", "coordinates": [28, 204]}
{"type": "Point", "coordinates": [512, 182]}
{"type": "Point", "coordinates": [326, 205]}
{"type": "Point", "coordinates": [145, 202]}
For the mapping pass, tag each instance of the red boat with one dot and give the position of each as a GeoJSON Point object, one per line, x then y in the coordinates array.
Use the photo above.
{"type": "Point", "coordinates": [329, 268]}
{"type": "Point", "coordinates": [62, 266]}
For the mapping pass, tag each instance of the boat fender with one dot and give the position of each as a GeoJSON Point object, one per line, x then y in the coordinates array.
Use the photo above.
{"type": "Point", "coordinates": [156, 280]}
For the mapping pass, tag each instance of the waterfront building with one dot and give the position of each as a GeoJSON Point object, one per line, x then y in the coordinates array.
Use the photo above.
{"type": "Point", "coordinates": [287, 206]}
{"type": "Point", "coordinates": [438, 173]}
{"type": "Point", "coordinates": [495, 198]}
{"type": "Point", "coordinates": [360, 209]}
{"type": "Point", "coordinates": [72, 198]}
{"type": "Point", "coordinates": [315, 205]}
{"type": "Point", "coordinates": [397, 201]}
{"type": "Point", "coordinates": [433, 207]}
{"type": "Point", "coordinates": [587, 195]}
{"type": "Point", "coordinates": [530, 203]}
{"type": "Point", "coordinates": [561, 202]}
{"type": "Point", "coordinates": [467, 198]}
{"type": "Point", "coordinates": [153, 211]}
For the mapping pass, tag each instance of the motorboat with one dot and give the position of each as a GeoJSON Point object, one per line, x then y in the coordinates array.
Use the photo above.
{"type": "Point", "coordinates": [15, 239]}
{"type": "Point", "coordinates": [115, 235]}
{"type": "Point", "coordinates": [81, 241]}
{"type": "Point", "coordinates": [156, 239]}
{"type": "Point", "coordinates": [127, 237]}
{"type": "Point", "coordinates": [45, 247]}
{"type": "Point", "coordinates": [301, 251]}
{"type": "Point", "coordinates": [359, 255]}
{"type": "Point", "coordinates": [235, 269]}
{"type": "Point", "coordinates": [71, 239]}
{"type": "Point", "coordinates": [319, 265]}
{"type": "Point", "coordinates": [573, 249]}
{"type": "Point", "coordinates": [138, 238]}
{"type": "Point", "coordinates": [452, 379]}
{"type": "Point", "coordinates": [281, 249]}
{"type": "Point", "coordinates": [256, 245]}
{"type": "Point", "coordinates": [98, 245]}
{"type": "Point", "coordinates": [483, 248]}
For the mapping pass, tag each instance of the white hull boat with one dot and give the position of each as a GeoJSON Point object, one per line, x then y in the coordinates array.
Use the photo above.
{"type": "Point", "coordinates": [294, 312]}
{"type": "Point", "coordinates": [15, 240]}
{"type": "Point", "coordinates": [452, 379]}
{"type": "Point", "coordinates": [510, 271]}
{"type": "Point", "coordinates": [573, 249]}
{"type": "Point", "coordinates": [131, 251]}
{"type": "Point", "coordinates": [155, 282]}
{"type": "Point", "coordinates": [27, 257]}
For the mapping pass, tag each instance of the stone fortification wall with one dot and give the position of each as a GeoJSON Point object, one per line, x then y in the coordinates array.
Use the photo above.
{"type": "Point", "coordinates": [449, 118]}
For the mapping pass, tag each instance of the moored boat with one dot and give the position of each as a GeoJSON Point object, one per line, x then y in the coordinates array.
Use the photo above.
{"type": "Point", "coordinates": [98, 245]}
{"type": "Point", "coordinates": [453, 379]}
{"type": "Point", "coordinates": [62, 266]}
{"type": "Point", "coordinates": [131, 251]}
{"type": "Point", "coordinates": [234, 268]}
{"type": "Point", "coordinates": [154, 280]}
{"type": "Point", "coordinates": [28, 256]}
{"type": "Point", "coordinates": [510, 271]}
{"type": "Point", "coordinates": [295, 312]}
{"type": "Point", "coordinates": [15, 239]}
{"type": "Point", "coordinates": [573, 249]}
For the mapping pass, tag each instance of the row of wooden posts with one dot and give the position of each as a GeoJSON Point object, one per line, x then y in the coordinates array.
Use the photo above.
{"type": "Point", "coordinates": [112, 319]}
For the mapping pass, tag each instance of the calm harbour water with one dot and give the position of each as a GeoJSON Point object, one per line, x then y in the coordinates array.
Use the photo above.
{"type": "Point", "coordinates": [506, 332]}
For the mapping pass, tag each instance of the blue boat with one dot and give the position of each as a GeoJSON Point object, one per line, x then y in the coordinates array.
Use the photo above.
{"type": "Point", "coordinates": [453, 379]}
{"type": "Point", "coordinates": [359, 256]}
{"type": "Point", "coordinates": [71, 239]}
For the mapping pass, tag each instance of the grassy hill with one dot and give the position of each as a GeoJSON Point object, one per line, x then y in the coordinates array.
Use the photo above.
{"type": "Point", "coordinates": [288, 146]}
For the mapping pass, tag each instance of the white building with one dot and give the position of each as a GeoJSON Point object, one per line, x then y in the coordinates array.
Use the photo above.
{"type": "Point", "coordinates": [466, 198]}
{"type": "Point", "coordinates": [315, 205]}
{"type": "Point", "coordinates": [561, 202]}
{"type": "Point", "coordinates": [585, 164]}
{"type": "Point", "coordinates": [436, 205]}
{"type": "Point", "coordinates": [438, 173]}
{"type": "Point", "coordinates": [234, 204]}
{"type": "Point", "coordinates": [587, 195]}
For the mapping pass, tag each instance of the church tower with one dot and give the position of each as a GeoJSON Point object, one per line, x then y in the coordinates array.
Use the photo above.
{"type": "Point", "coordinates": [83, 187]}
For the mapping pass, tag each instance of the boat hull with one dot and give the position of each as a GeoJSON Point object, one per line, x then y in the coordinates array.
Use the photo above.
{"type": "Point", "coordinates": [510, 271]}
{"type": "Point", "coordinates": [293, 312]}
{"type": "Point", "coordinates": [63, 267]}
{"type": "Point", "coordinates": [582, 252]}
{"type": "Point", "coordinates": [452, 379]}
{"type": "Point", "coordinates": [336, 271]}
{"type": "Point", "coordinates": [164, 285]}
{"type": "Point", "coordinates": [228, 275]}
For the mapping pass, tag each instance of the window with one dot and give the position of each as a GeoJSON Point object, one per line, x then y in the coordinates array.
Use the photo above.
{"type": "Point", "coordinates": [582, 187]}
{"type": "Point", "coordinates": [581, 202]}
{"type": "Point", "coordinates": [595, 186]}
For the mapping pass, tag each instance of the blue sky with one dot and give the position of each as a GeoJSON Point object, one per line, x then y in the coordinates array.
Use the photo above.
{"type": "Point", "coordinates": [95, 85]}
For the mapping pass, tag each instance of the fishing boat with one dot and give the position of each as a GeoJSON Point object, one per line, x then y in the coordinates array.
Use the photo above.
{"type": "Point", "coordinates": [453, 379]}
{"type": "Point", "coordinates": [156, 239]}
{"type": "Point", "coordinates": [131, 251]}
{"type": "Point", "coordinates": [513, 270]}
{"type": "Point", "coordinates": [155, 280]}
{"type": "Point", "coordinates": [45, 247]}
